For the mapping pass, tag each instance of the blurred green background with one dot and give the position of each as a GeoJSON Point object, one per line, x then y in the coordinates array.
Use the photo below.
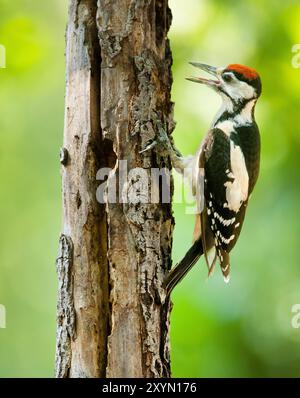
{"type": "Point", "coordinates": [238, 330]}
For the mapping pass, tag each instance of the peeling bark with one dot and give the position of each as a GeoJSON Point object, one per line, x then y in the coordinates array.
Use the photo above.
{"type": "Point", "coordinates": [118, 86]}
{"type": "Point", "coordinates": [84, 219]}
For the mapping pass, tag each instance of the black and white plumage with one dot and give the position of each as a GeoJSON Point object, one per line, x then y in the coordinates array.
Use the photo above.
{"type": "Point", "coordinates": [231, 168]}
{"type": "Point", "coordinates": [228, 161]}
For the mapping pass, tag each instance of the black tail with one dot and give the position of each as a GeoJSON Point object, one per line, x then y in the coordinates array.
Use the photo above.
{"type": "Point", "coordinates": [181, 269]}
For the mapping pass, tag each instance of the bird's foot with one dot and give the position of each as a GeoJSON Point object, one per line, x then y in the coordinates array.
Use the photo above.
{"type": "Point", "coordinates": [149, 146]}
{"type": "Point", "coordinates": [162, 142]}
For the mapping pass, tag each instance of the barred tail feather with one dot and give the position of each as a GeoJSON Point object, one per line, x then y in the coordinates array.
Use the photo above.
{"type": "Point", "coordinates": [183, 267]}
{"type": "Point", "coordinates": [225, 265]}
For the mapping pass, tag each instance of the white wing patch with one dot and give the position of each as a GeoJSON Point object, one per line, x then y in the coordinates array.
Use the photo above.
{"type": "Point", "coordinates": [226, 126]}
{"type": "Point", "coordinates": [237, 191]}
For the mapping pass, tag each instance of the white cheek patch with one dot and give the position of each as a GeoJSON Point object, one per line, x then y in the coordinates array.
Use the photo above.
{"type": "Point", "coordinates": [237, 191]}
{"type": "Point", "coordinates": [240, 89]}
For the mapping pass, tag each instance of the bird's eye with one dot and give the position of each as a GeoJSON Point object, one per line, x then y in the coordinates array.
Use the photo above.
{"type": "Point", "coordinates": [227, 78]}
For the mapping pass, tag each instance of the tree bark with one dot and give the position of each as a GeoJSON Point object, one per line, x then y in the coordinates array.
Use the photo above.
{"type": "Point", "coordinates": [113, 318]}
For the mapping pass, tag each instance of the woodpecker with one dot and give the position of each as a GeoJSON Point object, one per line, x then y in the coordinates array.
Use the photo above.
{"type": "Point", "coordinates": [224, 170]}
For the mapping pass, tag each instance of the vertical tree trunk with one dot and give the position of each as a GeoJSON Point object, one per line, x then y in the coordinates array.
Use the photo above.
{"type": "Point", "coordinates": [83, 306]}
{"type": "Point", "coordinates": [113, 319]}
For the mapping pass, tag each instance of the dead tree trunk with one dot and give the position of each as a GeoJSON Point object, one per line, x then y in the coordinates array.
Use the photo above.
{"type": "Point", "coordinates": [113, 320]}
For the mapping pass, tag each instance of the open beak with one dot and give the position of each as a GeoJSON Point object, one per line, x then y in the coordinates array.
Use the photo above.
{"type": "Point", "coordinates": [209, 69]}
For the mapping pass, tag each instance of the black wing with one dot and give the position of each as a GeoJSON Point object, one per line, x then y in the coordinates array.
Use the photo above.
{"type": "Point", "coordinates": [224, 223]}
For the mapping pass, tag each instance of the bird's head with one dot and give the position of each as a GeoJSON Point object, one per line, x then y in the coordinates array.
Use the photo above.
{"type": "Point", "coordinates": [237, 83]}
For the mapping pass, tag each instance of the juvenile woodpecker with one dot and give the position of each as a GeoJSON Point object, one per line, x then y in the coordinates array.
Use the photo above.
{"type": "Point", "coordinates": [224, 169]}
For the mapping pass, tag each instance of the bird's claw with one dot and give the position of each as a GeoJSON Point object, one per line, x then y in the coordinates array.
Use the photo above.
{"type": "Point", "coordinates": [162, 139]}
{"type": "Point", "coordinates": [149, 146]}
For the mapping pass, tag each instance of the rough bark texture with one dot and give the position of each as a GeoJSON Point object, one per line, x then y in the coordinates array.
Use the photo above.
{"type": "Point", "coordinates": [113, 319]}
{"type": "Point", "coordinates": [84, 219]}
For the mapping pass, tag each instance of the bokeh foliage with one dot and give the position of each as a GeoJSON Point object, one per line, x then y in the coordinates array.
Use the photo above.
{"type": "Point", "coordinates": [242, 329]}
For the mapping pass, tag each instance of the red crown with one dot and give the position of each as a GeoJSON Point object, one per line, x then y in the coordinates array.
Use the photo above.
{"type": "Point", "coordinates": [248, 73]}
